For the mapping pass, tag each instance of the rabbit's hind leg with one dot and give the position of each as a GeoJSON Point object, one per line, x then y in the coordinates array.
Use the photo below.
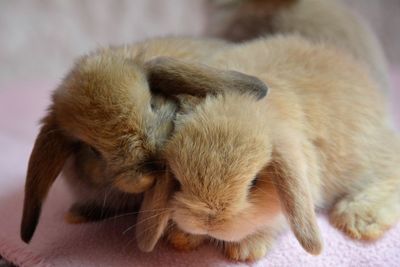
{"type": "Point", "coordinates": [368, 213]}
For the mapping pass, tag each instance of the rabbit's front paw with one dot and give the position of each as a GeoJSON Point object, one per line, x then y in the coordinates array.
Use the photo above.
{"type": "Point", "coordinates": [250, 249]}
{"type": "Point", "coordinates": [74, 218]}
{"type": "Point", "coordinates": [183, 241]}
{"type": "Point", "coordinates": [243, 251]}
{"type": "Point", "coordinates": [86, 212]}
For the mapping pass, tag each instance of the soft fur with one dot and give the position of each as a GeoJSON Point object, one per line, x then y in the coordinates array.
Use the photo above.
{"type": "Point", "coordinates": [108, 126]}
{"type": "Point", "coordinates": [320, 139]}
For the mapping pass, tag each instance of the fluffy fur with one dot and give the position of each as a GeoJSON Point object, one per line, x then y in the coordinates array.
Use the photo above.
{"type": "Point", "coordinates": [320, 139]}
{"type": "Point", "coordinates": [108, 126]}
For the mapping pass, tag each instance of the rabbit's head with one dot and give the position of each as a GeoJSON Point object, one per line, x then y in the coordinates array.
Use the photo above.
{"type": "Point", "coordinates": [232, 175]}
{"type": "Point", "coordinates": [224, 147]}
{"type": "Point", "coordinates": [104, 115]}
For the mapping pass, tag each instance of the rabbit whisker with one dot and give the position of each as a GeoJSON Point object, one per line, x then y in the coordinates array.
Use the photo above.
{"type": "Point", "coordinates": [144, 220]}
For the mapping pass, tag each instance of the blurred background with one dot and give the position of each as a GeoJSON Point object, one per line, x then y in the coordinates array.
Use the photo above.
{"type": "Point", "coordinates": [39, 39]}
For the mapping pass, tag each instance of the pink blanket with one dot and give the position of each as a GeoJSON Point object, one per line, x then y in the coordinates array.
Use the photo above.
{"type": "Point", "coordinates": [56, 243]}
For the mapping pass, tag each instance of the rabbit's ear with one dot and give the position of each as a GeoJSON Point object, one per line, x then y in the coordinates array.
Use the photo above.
{"type": "Point", "coordinates": [291, 181]}
{"type": "Point", "coordinates": [172, 77]}
{"type": "Point", "coordinates": [48, 156]}
{"type": "Point", "coordinates": [154, 213]}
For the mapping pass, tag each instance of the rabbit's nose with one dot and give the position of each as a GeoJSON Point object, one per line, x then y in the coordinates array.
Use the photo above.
{"type": "Point", "coordinates": [135, 185]}
{"type": "Point", "coordinates": [210, 219]}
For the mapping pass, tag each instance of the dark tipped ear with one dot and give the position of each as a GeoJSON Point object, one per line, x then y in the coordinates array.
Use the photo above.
{"type": "Point", "coordinates": [292, 184]}
{"type": "Point", "coordinates": [172, 77]}
{"type": "Point", "coordinates": [154, 213]}
{"type": "Point", "coordinates": [48, 156]}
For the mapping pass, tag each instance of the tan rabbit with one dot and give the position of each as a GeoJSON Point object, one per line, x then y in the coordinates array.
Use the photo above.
{"type": "Point", "coordinates": [327, 21]}
{"type": "Point", "coordinates": [321, 139]}
{"type": "Point", "coordinates": [105, 127]}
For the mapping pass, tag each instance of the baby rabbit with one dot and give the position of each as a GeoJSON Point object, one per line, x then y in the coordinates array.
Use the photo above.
{"type": "Point", "coordinates": [105, 127]}
{"type": "Point", "coordinates": [321, 139]}
{"type": "Point", "coordinates": [330, 22]}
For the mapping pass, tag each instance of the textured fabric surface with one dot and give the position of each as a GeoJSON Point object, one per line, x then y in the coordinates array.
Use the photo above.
{"type": "Point", "coordinates": [56, 243]}
{"type": "Point", "coordinates": [40, 39]}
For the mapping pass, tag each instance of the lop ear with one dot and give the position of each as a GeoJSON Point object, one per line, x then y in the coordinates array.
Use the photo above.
{"type": "Point", "coordinates": [154, 213]}
{"type": "Point", "coordinates": [48, 156]}
{"type": "Point", "coordinates": [291, 181]}
{"type": "Point", "coordinates": [172, 77]}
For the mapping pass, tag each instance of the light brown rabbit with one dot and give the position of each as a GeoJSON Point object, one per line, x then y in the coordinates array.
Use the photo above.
{"type": "Point", "coordinates": [105, 127]}
{"type": "Point", "coordinates": [327, 21]}
{"type": "Point", "coordinates": [321, 139]}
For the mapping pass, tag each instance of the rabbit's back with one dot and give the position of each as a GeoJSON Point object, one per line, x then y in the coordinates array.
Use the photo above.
{"type": "Point", "coordinates": [325, 95]}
